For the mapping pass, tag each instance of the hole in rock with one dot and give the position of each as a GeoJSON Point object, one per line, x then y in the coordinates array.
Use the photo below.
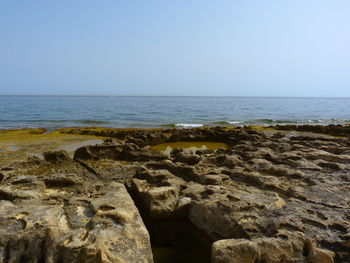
{"type": "Point", "coordinates": [106, 208]}
{"type": "Point", "coordinates": [6, 196]}
{"type": "Point", "coordinates": [58, 182]}
{"type": "Point", "coordinates": [306, 250]}
{"type": "Point", "coordinates": [42, 258]}
{"type": "Point", "coordinates": [24, 259]}
{"type": "Point", "coordinates": [174, 239]}
{"type": "Point", "coordinates": [170, 254]}
{"type": "Point", "coordinates": [177, 241]}
{"type": "Point", "coordinates": [338, 227]}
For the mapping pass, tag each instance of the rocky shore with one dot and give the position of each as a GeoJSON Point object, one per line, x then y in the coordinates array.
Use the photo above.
{"type": "Point", "coordinates": [251, 195]}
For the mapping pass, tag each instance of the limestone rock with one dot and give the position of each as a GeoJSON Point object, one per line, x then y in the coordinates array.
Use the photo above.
{"type": "Point", "coordinates": [96, 152]}
{"type": "Point", "coordinates": [159, 201]}
{"type": "Point", "coordinates": [269, 197]}
{"type": "Point", "coordinates": [51, 219]}
{"type": "Point", "coordinates": [56, 156]}
{"type": "Point", "coordinates": [287, 247]}
{"type": "Point", "coordinates": [187, 158]}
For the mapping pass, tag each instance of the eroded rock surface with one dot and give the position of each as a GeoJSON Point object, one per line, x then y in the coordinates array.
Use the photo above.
{"type": "Point", "coordinates": [269, 197]}
{"type": "Point", "coordinates": [287, 246]}
{"type": "Point", "coordinates": [69, 217]}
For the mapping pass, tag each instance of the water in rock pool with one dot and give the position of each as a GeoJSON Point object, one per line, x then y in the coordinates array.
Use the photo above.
{"type": "Point", "coordinates": [146, 112]}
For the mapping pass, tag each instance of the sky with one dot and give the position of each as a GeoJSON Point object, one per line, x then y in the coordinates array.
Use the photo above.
{"type": "Point", "coordinates": [175, 48]}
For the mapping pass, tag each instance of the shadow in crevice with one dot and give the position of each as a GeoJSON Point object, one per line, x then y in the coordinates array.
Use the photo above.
{"type": "Point", "coordinates": [174, 239]}
{"type": "Point", "coordinates": [169, 254]}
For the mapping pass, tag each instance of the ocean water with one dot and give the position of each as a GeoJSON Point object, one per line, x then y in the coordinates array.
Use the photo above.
{"type": "Point", "coordinates": [145, 112]}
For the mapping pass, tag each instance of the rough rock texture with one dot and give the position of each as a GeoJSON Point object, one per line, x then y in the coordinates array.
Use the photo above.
{"type": "Point", "coordinates": [337, 130]}
{"type": "Point", "coordinates": [285, 247]}
{"type": "Point", "coordinates": [56, 156]}
{"type": "Point", "coordinates": [69, 217]}
{"type": "Point", "coordinates": [269, 197]}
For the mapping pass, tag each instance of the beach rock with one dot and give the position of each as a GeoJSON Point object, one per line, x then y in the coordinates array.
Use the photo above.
{"type": "Point", "coordinates": [96, 152]}
{"type": "Point", "coordinates": [159, 201]}
{"type": "Point", "coordinates": [336, 130]}
{"type": "Point", "coordinates": [118, 233]}
{"type": "Point", "coordinates": [287, 247]}
{"type": "Point", "coordinates": [228, 160]}
{"type": "Point", "coordinates": [158, 191]}
{"type": "Point", "coordinates": [187, 158]}
{"type": "Point", "coordinates": [56, 156]}
{"type": "Point", "coordinates": [269, 197]}
{"type": "Point", "coordinates": [32, 233]}
{"type": "Point", "coordinates": [142, 154]}
{"type": "Point", "coordinates": [69, 218]}
{"type": "Point", "coordinates": [61, 181]}
{"type": "Point", "coordinates": [156, 177]}
{"type": "Point", "coordinates": [34, 160]}
{"type": "Point", "coordinates": [223, 213]}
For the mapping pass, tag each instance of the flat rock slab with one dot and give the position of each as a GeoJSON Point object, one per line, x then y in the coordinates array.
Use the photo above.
{"type": "Point", "coordinates": [62, 223]}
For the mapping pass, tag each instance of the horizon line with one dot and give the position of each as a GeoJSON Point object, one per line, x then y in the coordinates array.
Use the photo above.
{"type": "Point", "coordinates": [198, 96]}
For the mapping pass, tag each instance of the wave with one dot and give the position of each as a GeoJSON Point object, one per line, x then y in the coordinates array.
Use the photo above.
{"type": "Point", "coordinates": [54, 124]}
{"type": "Point", "coordinates": [267, 122]}
{"type": "Point", "coordinates": [225, 122]}
{"type": "Point", "coordinates": [296, 122]}
{"type": "Point", "coordinates": [189, 125]}
{"type": "Point", "coordinates": [234, 122]}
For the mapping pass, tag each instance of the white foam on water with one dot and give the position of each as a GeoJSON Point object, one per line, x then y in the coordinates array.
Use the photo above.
{"type": "Point", "coordinates": [188, 125]}
{"type": "Point", "coordinates": [234, 122]}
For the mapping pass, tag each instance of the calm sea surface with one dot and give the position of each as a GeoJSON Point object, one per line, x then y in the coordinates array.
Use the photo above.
{"type": "Point", "coordinates": [141, 112]}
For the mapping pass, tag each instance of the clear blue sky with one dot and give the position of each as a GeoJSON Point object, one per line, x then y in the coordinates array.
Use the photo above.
{"type": "Point", "coordinates": [204, 47]}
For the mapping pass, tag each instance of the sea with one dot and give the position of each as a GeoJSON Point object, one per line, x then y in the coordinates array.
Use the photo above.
{"type": "Point", "coordinates": [54, 112]}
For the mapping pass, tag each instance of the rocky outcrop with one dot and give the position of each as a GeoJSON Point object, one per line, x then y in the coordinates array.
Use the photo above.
{"type": "Point", "coordinates": [336, 130]}
{"type": "Point", "coordinates": [69, 218]}
{"type": "Point", "coordinates": [269, 197]}
{"type": "Point", "coordinates": [56, 156]}
{"type": "Point", "coordinates": [285, 247]}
